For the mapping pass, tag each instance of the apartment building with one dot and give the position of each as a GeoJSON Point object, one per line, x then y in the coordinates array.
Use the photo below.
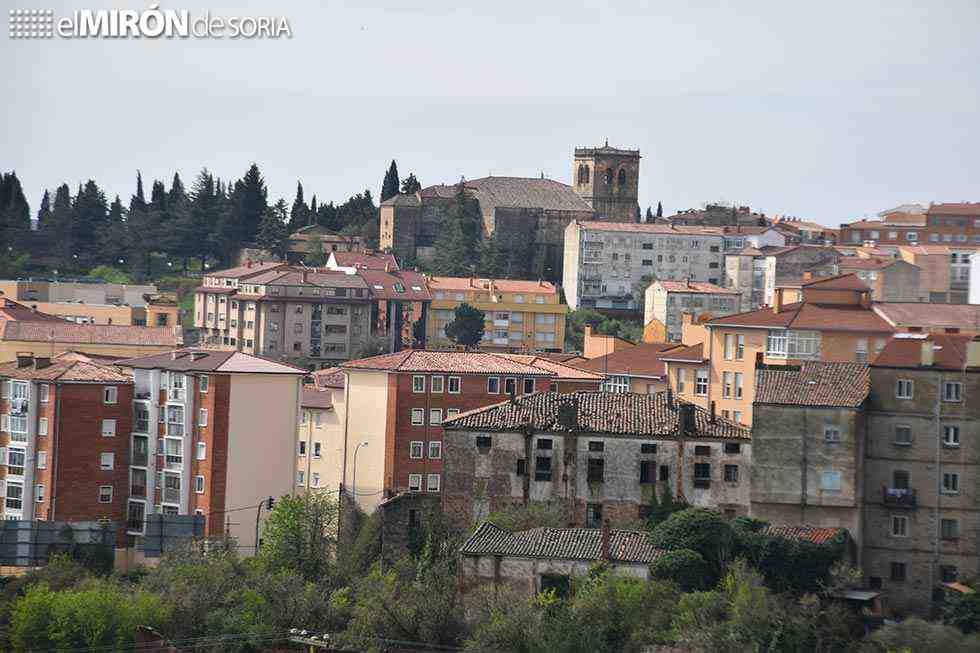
{"type": "Point", "coordinates": [890, 279]}
{"type": "Point", "coordinates": [396, 404]}
{"type": "Point", "coordinates": [65, 448]}
{"type": "Point", "coordinates": [521, 315]}
{"type": "Point", "coordinates": [213, 433]}
{"type": "Point", "coordinates": [608, 265]}
{"type": "Point", "coordinates": [666, 301]}
{"type": "Point", "coordinates": [833, 322]}
{"type": "Point", "coordinates": [792, 263]}
{"type": "Point", "coordinates": [87, 291]}
{"type": "Point", "coordinates": [637, 369]}
{"type": "Point", "coordinates": [278, 311]}
{"type": "Point", "coordinates": [603, 455]}
{"type": "Point", "coordinates": [810, 233]}
{"type": "Point", "coordinates": [946, 222]}
{"type": "Point", "coordinates": [317, 448]}
{"type": "Point", "coordinates": [921, 467]}
{"type": "Point", "coordinates": [929, 318]}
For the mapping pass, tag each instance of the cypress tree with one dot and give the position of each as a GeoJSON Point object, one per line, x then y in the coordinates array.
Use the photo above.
{"type": "Point", "coordinates": [649, 216]}
{"type": "Point", "coordinates": [15, 214]}
{"type": "Point", "coordinates": [273, 235]}
{"type": "Point", "coordinates": [312, 217]}
{"type": "Point", "coordinates": [44, 212]}
{"type": "Point", "coordinates": [249, 203]}
{"type": "Point", "coordinates": [389, 188]}
{"type": "Point", "coordinates": [140, 231]}
{"type": "Point", "coordinates": [59, 229]}
{"type": "Point", "coordinates": [660, 210]}
{"type": "Point", "coordinates": [299, 216]}
{"type": "Point", "coordinates": [90, 218]}
{"type": "Point", "coordinates": [457, 245]}
{"type": "Point", "coordinates": [114, 238]}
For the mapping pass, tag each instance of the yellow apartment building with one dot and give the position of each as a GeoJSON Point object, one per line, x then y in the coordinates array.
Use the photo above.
{"type": "Point", "coordinates": [521, 315]}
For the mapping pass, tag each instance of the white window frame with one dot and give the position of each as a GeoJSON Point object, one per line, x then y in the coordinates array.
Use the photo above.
{"type": "Point", "coordinates": [199, 484]}
{"type": "Point", "coordinates": [201, 451]}
{"type": "Point", "coordinates": [418, 416]}
{"type": "Point", "coordinates": [43, 392]}
{"type": "Point", "coordinates": [108, 428]}
{"type": "Point", "coordinates": [42, 460]}
{"type": "Point", "coordinates": [441, 385]}
{"type": "Point", "coordinates": [435, 449]}
{"type": "Point", "coordinates": [948, 396]}
{"type": "Point", "coordinates": [101, 496]}
{"type": "Point", "coordinates": [701, 377]}
{"type": "Point", "coordinates": [414, 482]}
{"type": "Point", "coordinates": [954, 480]}
{"type": "Point", "coordinates": [435, 416]}
{"type": "Point", "coordinates": [493, 378]}
{"type": "Point", "coordinates": [431, 486]}
{"type": "Point", "coordinates": [951, 435]}
{"type": "Point", "coordinates": [39, 493]}
{"type": "Point", "coordinates": [42, 426]}
{"type": "Point", "coordinates": [452, 412]}
{"type": "Point", "coordinates": [454, 381]}
{"type": "Point", "coordinates": [107, 461]}
{"type": "Point", "coordinates": [110, 394]}
{"type": "Point", "coordinates": [203, 383]}
{"type": "Point", "coordinates": [418, 384]}
{"type": "Point", "coordinates": [416, 450]}
{"type": "Point", "coordinates": [300, 477]}
{"type": "Point", "coordinates": [904, 389]}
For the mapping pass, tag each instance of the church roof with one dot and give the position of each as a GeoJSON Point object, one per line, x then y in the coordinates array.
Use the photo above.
{"type": "Point", "coordinates": [526, 193]}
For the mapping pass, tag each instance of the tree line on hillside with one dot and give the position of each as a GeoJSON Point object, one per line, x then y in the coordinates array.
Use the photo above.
{"type": "Point", "coordinates": [208, 222]}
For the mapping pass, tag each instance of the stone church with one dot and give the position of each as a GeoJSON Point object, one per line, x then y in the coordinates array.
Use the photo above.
{"type": "Point", "coordinates": [606, 181]}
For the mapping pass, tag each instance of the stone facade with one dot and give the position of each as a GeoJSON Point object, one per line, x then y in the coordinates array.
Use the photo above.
{"type": "Point", "coordinates": [608, 179]}
{"type": "Point", "coordinates": [790, 264]}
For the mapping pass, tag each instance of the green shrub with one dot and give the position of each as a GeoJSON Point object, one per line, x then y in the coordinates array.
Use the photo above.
{"type": "Point", "coordinates": [699, 530]}
{"type": "Point", "coordinates": [687, 568]}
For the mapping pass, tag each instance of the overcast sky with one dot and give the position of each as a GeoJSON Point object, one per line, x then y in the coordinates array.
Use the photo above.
{"type": "Point", "coordinates": [826, 111]}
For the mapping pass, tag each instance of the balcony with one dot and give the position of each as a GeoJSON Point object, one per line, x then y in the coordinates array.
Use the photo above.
{"type": "Point", "coordinates": [898, 497]}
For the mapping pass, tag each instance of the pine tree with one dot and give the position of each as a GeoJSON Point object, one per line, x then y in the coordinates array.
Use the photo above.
{"type": "Point", "coordinates": [15, 214]}
{"type": "Point", "coordinates": [115, 238]}
{"type": "Point", "coordinates": [59, 229]}
{"type": "Point", "coordinates": [467, 327]}
{"type": "Point", "coordinates": [44, 212]}
{"type": "Point", "coordinates": [91, 211]}
{"type": "Point", "coordinates": [411, 185]}
{"type": "Point", "coordinates": [273, 235]}
{"type": "Point", "coordinates": [141, 233]}
{"type": "Point", "coordinates": [205, 207]}
{"type": "Point", "coordinates": [249, 203]}
{"type": "Point", "coordinates": [660, 210]}
{"type": "Point", "coordinates": [458, 244]}
{"type": "Point", "coordinates": [299, 216]}
{"type": "Point", "coordinates": [312, 218]}
{"type": "Point", "coordinates": [389, 188]}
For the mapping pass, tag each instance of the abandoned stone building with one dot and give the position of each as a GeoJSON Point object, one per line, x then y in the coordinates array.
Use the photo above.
{"type": "Point", "coordinates": [602, 455]}
{"type": "Point", "coordinates": [606, 185]}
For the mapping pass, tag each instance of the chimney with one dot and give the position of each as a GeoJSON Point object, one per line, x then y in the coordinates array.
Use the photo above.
{"type": "Point", "coordinates": [248, 263]}
{"type": "Point", "coordinates": [973, 352]}
{"type": "Point", "coordinates": [24, 359]}
{"type": "Point", "coordinates": [712, 412]}
{"type": "Point", "coordinates": [808, 276]}
{"type": "Point", "coordinates": [685, 419]}
{"type": "Point", "coordinates": [866, 299]}
{"type": "Point", "coordinates": [387, 266]}
{"type": "Point", "coordinates": [928, 357]}
{"type": "Point", "coordinates": [40, 362]}
{"type": "Point", "coordinates": [777, 300]}
{"type": "Point", "coordinates": [670, 396]}
{"type": "Point", "coordinates": [604, 552]}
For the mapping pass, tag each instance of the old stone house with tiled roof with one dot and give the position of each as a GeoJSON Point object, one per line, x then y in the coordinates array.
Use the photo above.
{"type": "Point", "coordinates": [603, 454]}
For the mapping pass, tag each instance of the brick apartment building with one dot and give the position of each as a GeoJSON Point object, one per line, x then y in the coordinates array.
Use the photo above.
{"type": "Point", "coordinates": [64, 439]}
{"type": "Point", "coordinates": [212, 432]}
{"type": "Point", "coordinates": [601, 454]}
{"type": "Point", "coordinates": [947, 223]}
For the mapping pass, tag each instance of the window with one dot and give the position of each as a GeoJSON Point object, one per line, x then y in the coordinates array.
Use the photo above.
{"type": "Point", "coordinates": [432, 483]}
{"type": "Point", "coordinates": [414, 482]}
{"type": "Point", "coordinates": [14, 496]}
{"type": "Point", "coordinates": [702, 450]}
{"type": "Point", "coordinates": [141, 418]}
{"type": "Point", "coordinates": [437, 383]}
{"type": "Point", "coordinates": [830, 481]}
{"type": "Point", "coordinates": [731, 473]}
{"type": "Point", "coordinates": [39, 493]}
{"type": "Point", "coordinates": [648, 471]}
{"type": "Point", "coordinates": [903, 435]}
{"type": "Point", "coordinates": [949, 529]}
{"type": "Point", "coordinates": [435, 416]}
{"type": "Point", "coordinates": [738, 385]}
{"type": "Point", "coordinates": [542, 468]}
{"type": "Point", "coordinates": [454, 385]}
{"type": "Point", "coordinates": [416, 449]}
{"type": "Point", "coordinates": [776, 343]}
{"type": "Point", "coordinates": [528, 386]}
{"type": "Point", "coordinates": [107, 461]}
{"type": "Point", "coordinates": [42, 426]}
{"type": "Point", "coordinates": [42, 459]}
{"type": "Point", "coordinates": [202, 417]}
{"type": "Point", "coordinates": [702, 474]}
{"type": "Point", "coordinates": [951, 435]}
{"type": "Point", "coordinates": [701, 382]}
{"type": "Point", "coordinates": [418, 384]}
{"type": "Point", "coordinates": [43, 392]}
{"type": "Point", "coordinates": [831, 433]}
{"type": "Point", "coordinates": [952, 391]}
{"type": "Point", "coordinates": [301, 478]}
{"type": "Point", "coordinates": [451, 412]}
{"type": "Point", "coordinates": [105, 494]}
{"type": "Point", "coordinates": [493, 385]}
{"type": "Point", "coordinates": [597, 446]}
{"type": "Point", "coordinates": [202, 451]}
{"type": "Point", "coordinates": [900, 526]}
{"type": "Point", "coordinates": [510, 386]}
{"type": "Point", "coordinates": [729, 346]}
{"type": "Point", "coordinates": [726, 385]}
{"type": "Point", "coordinates": [616, 383]}
{"type": "Point", "coordinates": [951, 483]}
{"type": "Point", "coordinates": [203, 383]}
{"type": "Point", "coordinates": [435, 449]}
{"type": "Point", "coordinates": [593, 515]}
{"type": "Point", "coordinates": [110, 394]}
{"type": "Point", "coordinates": [301, 448]}
{"type": "Point", "coordinates": [317, 449]}
{"type": "Point", "coordinates": [681, 380]}
{"type": "Point", "coordinates": [483, 441]}
{"type": "Point", "coordinates": [903, 389]}
{"type": "Point", "coordinates": [199, 484]}
{"type": "Point", "coordinates": [898, 571]}
{"type": "Point", "coordinates": [648, 448]}
{"type": "Point", "coordinates": [597, 467]}
{"type": "Point", "coordinates": [737, 416]}
{"type": "Point", "coordinates": [418, 416]}
{"type": "Point", "coordinates": [175, 421]}
{"type": "Point", "coordinates": [314, 480]}
{"type": "Point", "coordinates": [948, 573]}
{"type": "Point", "coordinates": [733, 448]}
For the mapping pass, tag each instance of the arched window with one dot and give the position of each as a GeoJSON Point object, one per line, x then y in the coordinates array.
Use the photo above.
{"type": "Point", "coordinates": [609, 176]}
{"type": "Point", "coordinates": [583, 174]}
{"type": "Point", "coordinates": [622, 177]}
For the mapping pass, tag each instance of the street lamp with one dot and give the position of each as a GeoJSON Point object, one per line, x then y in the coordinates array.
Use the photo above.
{"type": "Point", "coordinates": [353, 488]}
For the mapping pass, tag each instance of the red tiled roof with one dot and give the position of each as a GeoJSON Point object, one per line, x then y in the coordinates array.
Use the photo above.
{"type": "Point", "coordinates": [331, 377]}
{"type": "Point", "coordinates": [848, 281]}
{"type": "Point", "coordinates": [652, 228]}
{"type": "Point", "coordinates": [949, 351]}
{"type": "Point", "coordinates": [314, 398]}
{"type": "Point", "coordinates": [612, 413]}
{"type": "Point", "coordinates": [642, 360]}
{"type": "Point", "coordinates": [929, 316]}
{"type": "Point", "coordinates": [814, 383]}
{"type": "Point", "coordinates": [861, 263]}
{"type": "Point", "coordinates": [91, 334]}
{"type": "Point", "coordinates": [450, 362]}
{"type": "Point", "coordinates": [806, 533]}
{"type": "Point", "coordinates": [699, 287]}
{"type": "Point", "coordinates": [562, 371]}
{"type": "Point", "coordinates": [11, 310]}
{"type": "Point", "coordinates": [376, 261]}
{"type": "Point", "coordinates": [384, 285]}
{"type": "Point", "coordinates": [500, 285]}
{"type": "Point", "coordinates": [560, 544]}
{"type": "Point", "coordinates": [817, 317]}
{"type": "Point", "coordinates": [955, 208]}
{"type": "Point", "coordinates": [65, 371]}
{"type": "Point", "coordinates": [246, 270]}
{"type": "Point", "coordinates": [210, 360]}
{"type": "Point", "coordinates": [682, 354]}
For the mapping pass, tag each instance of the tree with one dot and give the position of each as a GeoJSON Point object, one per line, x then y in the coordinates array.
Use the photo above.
{"type": "Point", "coordinates": [299, 215]}
{"type": "Point", "coordinates": [389, 187]}
{"type": "Point", "coordinates": [371, 346]}
{"type": "Point", "coordinates": [962, 610]}
{"type": "Point", "coordinates": [298, 535]}
{"type": "Point", "coordinates": [44, 211]}
{"type": "Point", "coordinates": [249, 203]}
{"type": "Point", "coordinates": [457, 245]}
{"type": "Point", "coordinates": [109, 274]}
{"type": "Point", "coordinates": [649, 215]}
{"type": "Point", "coordinates": [115, 238]}
{"type": "Point", "coordinates": [917, 635]}
{"type": "Point", "coordinates": [467, 327]}
{"type": "Point", "coordinates": [15, 214]}
{"type": "Point", "coordinates": [273, 235]}
{"type": "Point", "coordinates": [699, 530]}
{"type": "Point", "coordinates": [89, 219]}
{"type": "Point", "coordinates": [58, 230]}
{"type": "Point", "coordinates": [687, 568]}
{"type": "Point", "coordinates": [660, 210]}
{"type": "Point", "coordinates": [411, 185]}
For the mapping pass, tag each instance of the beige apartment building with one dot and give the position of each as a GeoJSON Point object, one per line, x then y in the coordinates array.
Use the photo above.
{"type": "Point", "coordinates": [271, 309]}
{"type": "Point", "coordinates": [666, 301]}
{"type": "Point", "coordinates": [319, 443]}
{"type": "Point", "coordinates": [521, 315]}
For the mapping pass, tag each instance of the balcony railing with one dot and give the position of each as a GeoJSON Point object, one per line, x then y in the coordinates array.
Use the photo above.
{"type": "Point", "coordinates": [898, 497]}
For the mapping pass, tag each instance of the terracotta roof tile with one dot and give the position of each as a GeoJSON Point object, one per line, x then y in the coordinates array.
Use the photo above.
{"type": "Point", "coordinates": [562, 371]}
{"type": "Point", "coordinates": [315, 398]}
{"type": "Point", "coordinates": [11, 310]}
{"type": "Point", "coordinates": [682, 354]}
{"type": "Point", "coordinates": [641, 360]}
{"type": "Point", "coordinates": [949, 351]}
{"type": "Point", "coordinates": [499, 285]}
{"type": "Point", "coordinates": [331, 377]}
{"type": "Point", "coordinates": [806, 533]}
{"type": "Point", "coordinates": [636, 415]}
{"type": "Point", "coordinates": [65, 371]}
{"type": "Point", "coordinates": [376, 261]}
{"type": "Point", "coordinates": [955, 208]}
{"type": "Point", "coordinates": [813, 383]}
{"type": "Point", "coordinates": [458, 362]}
{"type": "Point", "coordinates": [818, 317]}
{"type": "Point", "coordinates": [848, 263]}
{"type": "Point", "coordinates": [929, 316]}
{"type": "Point", "coordinates": [210, 360]}
{"type": "Point", "coordinates": [405, 285]}
{"type": "Point", "coordinates": [246, 270]}
{"type": "Point", "coordinates": [848, 281]}
{"type": "Point", "coordinates": [91, 334]}
{"type": "Point", "coordinates": [560, 544]}
{"type": "Point", "coordinates": [700, 287]}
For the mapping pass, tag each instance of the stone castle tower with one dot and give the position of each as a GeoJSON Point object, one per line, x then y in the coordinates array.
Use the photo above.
{"type": "Point", "coordinates": [608, 178]}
